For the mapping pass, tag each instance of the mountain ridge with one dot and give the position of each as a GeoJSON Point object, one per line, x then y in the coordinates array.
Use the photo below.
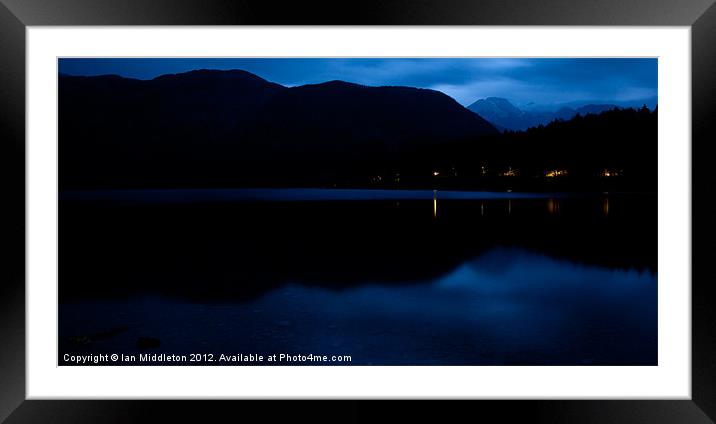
{"type": "Point", "coordinates": [501, 113]}
{"type": "Point", "coordinates": [221, 123]}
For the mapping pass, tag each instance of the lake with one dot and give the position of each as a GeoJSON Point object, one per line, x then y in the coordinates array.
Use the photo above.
{"type": "Point", "coordinates": [387, 277]}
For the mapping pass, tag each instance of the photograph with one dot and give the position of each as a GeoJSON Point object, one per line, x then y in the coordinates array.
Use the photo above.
{"type": "Point", "coordinates": [357, 211]}
{"type": "Point", "coordinates": [222, 203]}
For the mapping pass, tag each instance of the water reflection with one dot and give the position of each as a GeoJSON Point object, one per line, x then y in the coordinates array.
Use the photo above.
{"type": "Point", "coordinates": [553, 206]}
{"type": "Point", "coordinates": [435, 203]}
{"type": "Point", "coordinates": [508, 306]}
{"type": "Point", "coordinates": [347, 275]}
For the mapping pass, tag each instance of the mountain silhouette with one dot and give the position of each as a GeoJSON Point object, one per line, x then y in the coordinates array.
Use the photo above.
{"type": "Point", "coordinates": [337, 115]}
{"type": "Point", "coordinates": [504, 115]}
{"type": "Point", "coordinates": [207, 125]}
{"type": "Point", "coordinates": [215, 129]}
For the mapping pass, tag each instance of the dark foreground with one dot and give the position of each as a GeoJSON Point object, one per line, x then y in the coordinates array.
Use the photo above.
{"type": "Point", "coordinates": [384, 277]}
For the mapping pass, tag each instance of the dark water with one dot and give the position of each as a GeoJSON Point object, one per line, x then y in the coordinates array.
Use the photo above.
{"type": "Point", "coordinates": [387, 277]}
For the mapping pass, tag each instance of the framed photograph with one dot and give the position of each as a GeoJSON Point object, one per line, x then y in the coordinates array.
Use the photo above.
{"type": "Point", "coordinates": [239, 201]}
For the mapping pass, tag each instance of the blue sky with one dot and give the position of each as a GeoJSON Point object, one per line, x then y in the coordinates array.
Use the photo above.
{"type": "Point", "coordinates": [527, 82]}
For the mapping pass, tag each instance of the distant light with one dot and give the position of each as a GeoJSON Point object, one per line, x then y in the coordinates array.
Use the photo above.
{"type": "Point", "coordinates": [509, 173]}
{"type": "Point", "coordinates": [436, 173]}
{"type": "Point", "coordinates": [611, 173]}
{"type": "Point", "coordinates": [555, 173]}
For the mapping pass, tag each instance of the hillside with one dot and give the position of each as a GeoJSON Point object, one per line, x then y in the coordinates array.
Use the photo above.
{"type": "Point", "coordinates": [232, 127]}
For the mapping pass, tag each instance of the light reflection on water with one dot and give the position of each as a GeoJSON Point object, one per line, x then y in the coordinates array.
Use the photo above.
{"type": "Point", "coordinates": [553, 206]}
{"type": "Point", "coordinates": [435, 203]}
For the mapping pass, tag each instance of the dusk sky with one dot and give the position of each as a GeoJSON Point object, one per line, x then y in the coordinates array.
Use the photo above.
{"type": "Point", "coordinates": [543, 82]}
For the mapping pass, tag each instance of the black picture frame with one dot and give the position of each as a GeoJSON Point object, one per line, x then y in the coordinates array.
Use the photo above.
{"type": "Point", "coordinates": [16, 15]}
